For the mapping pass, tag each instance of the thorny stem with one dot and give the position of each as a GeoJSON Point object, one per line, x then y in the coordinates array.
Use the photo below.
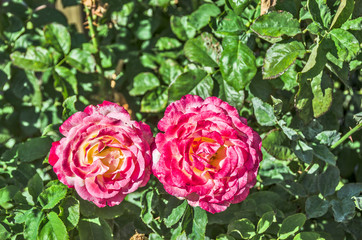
{"type": "Point", "coordinates": [91, 27]}
{"type": "Point", "coordinates": [349, 133]}
{"type": "Point", "coordinates": [93, 34]}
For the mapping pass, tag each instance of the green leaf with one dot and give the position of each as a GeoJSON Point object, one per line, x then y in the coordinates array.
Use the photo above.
{"type": "Point", "coordinates": [278, 107]}
{"type": "Point", "coordinates": [229, 24]}
{"type": "Point", "coordinates": [346, 43]}
{"type": "Point", "coordinates": [143, 30]}
{"type": "Point", "coordinates": [69, 107]}
{"type": "Point", "coordinates": [201, 17]}
{"type": "Point", "coordinates": [155, 101]}
{"type": "Point", "coordinates": [144, 82]}
{"type": "Point", "coordinates": [35, 186]}
{"type": "Point", "coordinates": [358, 202]}
{"type": "Point", "coordinates": [87, 208]}
{"type": "Point", "coordinates": [262, 209]}
{"type": "Point", "coordinates": [307, 236]}
{"type": "Point", "coordinates": [273, 25]}
{"type": "Point", "coordinates": [320, 12]}
{"type": "Point", "coordinates": [94, 229]}
{"type": "Point", "coordinates": [328, 181]}
{"type": "Point", "coordinates": [194, 82]}
{"type": "Point", "coordinates": [344, 11]}
{"type": "Point", "coordinates": [46, 15]}
{"type": "Point", "coordinates": [204, 49]}
{"type": "Point", "coordinates": [230, 95]}
{"type": "Point", "coordinates": [358, 117]}
{"type": "Point", "coordinates": [355, 65]}
{"type": "Point", "coordinates": [342, 71]}
{"type": "Point", "coordinates": [343, 210]}
{"type": "Point", "coordinates": [323, 153]}
{"type": "Point", "coordinates": [181, 27]}
{"type": "Point", "coordinates": [353, 24]}
{"type": "Point", "coordinates": [4, 234]}
{"type": "Point", "coordinates": [66, 79]}
{"type": "Point", "coordinates": [303, 151]}
{"type": "Point", "coordinates": [199, 223]}
{"type": "Point", "coordinates": [147, 199]}
{"type": "Point", "coordinates": [280, 57]}
{"type": "Point", "coordinates": [263, 112]}
{"type": "Point", "coordinates": [54, 228]}
{"type": "Point", "coordinates": [322, 88]}
{"type": "Point", "coordinates": [276, 144]}
{"type": "Point", "coordinates": [265, 221]}
{"type": "Point", "coordinates": [160, 3]}
{"type": "Point", "coordinates": [289, 78]}
{"type": "Point", "coordinates": [303, 101]}
{"type": "Point", "coordinates": [316, 207]}
{"type": "Point", "coordinates": [224, 237]}
{"type": "Point", "coordinates": [314, 28]}
{"type": "Point", "coordinates": [34, 148]}
{"type": "Point", "coordinates": [58, 36]}
{"type": "Point", "coordinates": [317, 60]}
{"type": "Point", "coordinates": [291, 225]}
{"type": "Point", "coordinates": [349, 190]}
{"type": "Point", "coordinates": [237, 63]}
{"type": "Point", "coordinates": [289, 132]}
{"type": "Point", "coordinates": [52, 195]}
{"type": "Point", "coordinates": [174, 213]}
{"type": "Point", "coordinates": [33, 218]}
{"type": "Point", "coordinates": [244, 227]}
{"type": "Point", "coordinates": [11, 26]}
{"type": "Point", "coordinates": [328, 137]}
{"type": "Point", "coordinates": [7, 193]}
{"type": "Point", "coordinates": [35, 58]}
{"type": "Point", "coordinates": [170, 70]}
{"type": "Point", "coordinates": [107, 57]}
{"type": "Point", "coordinates": [239, 5]}
{"type": "Point", "coordinates": [294, 188]}
{"type": "Point", "coordinates": [81, 60]}
{"type": "Point", "coordinates": [167, 43]}
{"type": "Point", "coordinates": [70, 212]}
{"type": "Point", "coordinates": [109, 212]}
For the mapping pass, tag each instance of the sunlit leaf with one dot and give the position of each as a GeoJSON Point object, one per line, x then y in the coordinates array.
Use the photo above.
{"type": "Point", "coordinates": [237, 63]}
{"type": "Point", "coordinates": [274, 25]}
{"type": "Point", "coordinates": [291, 225]}
{"type": "Point", "coordinates": [35, 58]}
{"type": "Point", "coordinates": [58, 36]}
{"type": "Point", "coordinates": [280, 57]}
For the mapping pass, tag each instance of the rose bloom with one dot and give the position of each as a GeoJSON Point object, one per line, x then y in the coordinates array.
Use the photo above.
{"type": "Point", "coordinates": [104, 154]}
{"type": "Point", "coordinates": [207, 153]}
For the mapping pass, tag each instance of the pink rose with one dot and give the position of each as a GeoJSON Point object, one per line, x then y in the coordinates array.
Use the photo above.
{"type": "Point", "coordinates": [104, 154]}
{"type": "Point", "coordinates": [207, 153]}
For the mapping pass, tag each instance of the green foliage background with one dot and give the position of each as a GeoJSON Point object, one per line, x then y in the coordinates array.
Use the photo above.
{"type": "Point", "coordinates": [294, 73]}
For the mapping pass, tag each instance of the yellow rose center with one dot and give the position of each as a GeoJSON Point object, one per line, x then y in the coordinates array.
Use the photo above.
{"type": "Point", "coordinates": [108, 154]}
{"type": "Point", "coordinates": [212, 159]}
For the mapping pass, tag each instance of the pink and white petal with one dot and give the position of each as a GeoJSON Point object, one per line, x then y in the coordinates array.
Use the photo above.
{"type": "Point", "coordinates": [213, 207]}
{"type": "Point", "coordinates": [72, 122]}
{"type": "Point", "coordinates": [116, 200]}
{"type": "Point", "coordinates": [53, 156]}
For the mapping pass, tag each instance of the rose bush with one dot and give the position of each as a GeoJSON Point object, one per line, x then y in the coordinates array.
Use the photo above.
{"type": "Point", "coordinates": [207, 153]}
{"type": "Point", "coordinates": [104, 154]}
